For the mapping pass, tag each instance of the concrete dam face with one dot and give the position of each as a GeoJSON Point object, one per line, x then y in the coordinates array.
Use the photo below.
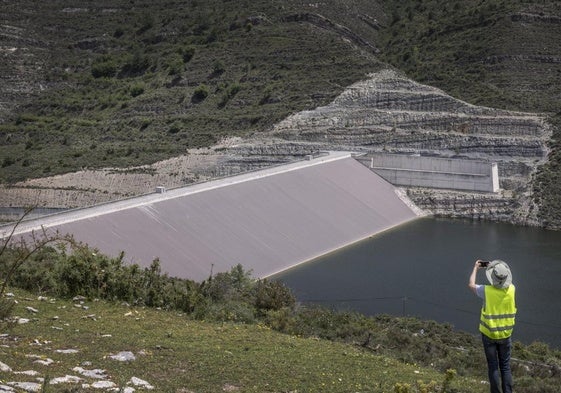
{"type": "Point", "coordinates": [267, 221]}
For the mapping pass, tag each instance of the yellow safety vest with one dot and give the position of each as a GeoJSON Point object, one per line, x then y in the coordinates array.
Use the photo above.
{"type": "Point", "coordinates": [498, 312]}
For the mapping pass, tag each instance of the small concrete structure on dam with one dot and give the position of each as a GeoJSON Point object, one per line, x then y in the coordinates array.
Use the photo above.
{"type": "Point", "coordinates": [434, 172]}
{"type": "Point", "coordinates": [267, 221]}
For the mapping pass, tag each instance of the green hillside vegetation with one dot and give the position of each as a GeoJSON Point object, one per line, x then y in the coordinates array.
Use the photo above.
{"type": "Point", "coordinates": [497, 53]}
{"type": "Point", "coordinates": [175, 353]}
{"type": "Point", "coordinates": [229, 330]}
{"type": "Point", "coordinates": [128, 83]}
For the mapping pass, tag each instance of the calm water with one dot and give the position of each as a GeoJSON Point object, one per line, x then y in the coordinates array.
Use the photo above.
{"type": "Point", "coordinates": [422, 269]}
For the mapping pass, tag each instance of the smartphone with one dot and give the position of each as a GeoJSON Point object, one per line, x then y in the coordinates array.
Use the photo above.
{"type": "Point", "coordinates": [483, 263]}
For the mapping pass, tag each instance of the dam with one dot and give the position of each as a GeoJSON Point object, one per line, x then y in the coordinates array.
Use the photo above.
{"type": "Point", "coordinates": [267, 221]}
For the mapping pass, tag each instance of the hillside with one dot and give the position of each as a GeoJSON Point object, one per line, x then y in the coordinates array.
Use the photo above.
{"type": "Point", "coordinates": [501, 54]}
{"type": "Point", "coordinates": [86, 321]}
{"type": "Point", "coordinates": [127, 85]}
{"type": "Point", "coordinates": [83, 345]}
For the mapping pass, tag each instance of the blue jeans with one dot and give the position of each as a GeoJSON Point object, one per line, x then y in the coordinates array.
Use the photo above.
{"type": "Point", "coordinates": [497, 353]}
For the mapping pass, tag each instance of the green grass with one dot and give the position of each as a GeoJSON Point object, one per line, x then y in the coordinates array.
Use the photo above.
{"type": "Point", "coordinates": [200, 343]}
{"type": "Point", "coordinates": [177, 354]}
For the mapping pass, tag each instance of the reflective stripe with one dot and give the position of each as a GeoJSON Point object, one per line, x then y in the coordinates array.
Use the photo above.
{"type": "Point", "coordinates": [501, 316]}
{"type": "Point", "coordinates": [498, 328]}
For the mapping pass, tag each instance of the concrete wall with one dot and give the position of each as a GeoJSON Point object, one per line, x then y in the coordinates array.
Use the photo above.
{"type": "Point", "coordinates": [432, 172]}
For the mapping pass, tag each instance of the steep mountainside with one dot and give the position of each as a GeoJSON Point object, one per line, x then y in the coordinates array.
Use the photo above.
{"type": "Point", "coordinates": [386, 112]}
{"type": "Point", "coordinates": [120, 83]}
{"type": "Point", "coordinates": [127, 84]}
{"type": "Point", "coordinates": [498, 53]}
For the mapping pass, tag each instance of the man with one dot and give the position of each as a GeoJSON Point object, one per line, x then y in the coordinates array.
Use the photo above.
{"type": "Point", "coordinates": [497, 320]}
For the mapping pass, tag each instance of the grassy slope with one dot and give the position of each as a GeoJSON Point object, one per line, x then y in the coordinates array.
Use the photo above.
{"type": "Point", "coordinates": [175, 353]}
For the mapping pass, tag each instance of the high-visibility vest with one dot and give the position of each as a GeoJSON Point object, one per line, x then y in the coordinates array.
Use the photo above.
{"type": "Point", "coordinates": [498, 312]}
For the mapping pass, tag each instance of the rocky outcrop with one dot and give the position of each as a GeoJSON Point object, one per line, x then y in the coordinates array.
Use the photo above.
{"type": "Point", "coordinates": [395, 112]}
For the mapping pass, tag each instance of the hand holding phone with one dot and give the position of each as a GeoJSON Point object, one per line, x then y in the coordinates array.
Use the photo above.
{"type": "Point", "coordinates": [483, 263]}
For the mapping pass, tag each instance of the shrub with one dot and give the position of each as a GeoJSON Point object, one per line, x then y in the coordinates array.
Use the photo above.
{"type": "Point", "coordinates": [218, 67]}
{"type": "Point", "coordinates": [174, 64]}
{"type": "Point", "coordinates": [200, 94]}
{"type": "Point", "coordinates": [7, 161]}
{"type": "Point", "coordinates": [53, 270]}
{"type": "Point", "coordinates": [273, 296]}
{"type": "Point", "coordinates": [175, 127]}
{"type": "Point", "coordinates": [105, 68]}
{"type": "Point", "coordinates": [230, 93]}
{"type": "Point", "coordinates": [187, 53]}
{"type": "Point", "coordinates": [135, 65]}
{"type": "Point", "coordinates": [136, 89]}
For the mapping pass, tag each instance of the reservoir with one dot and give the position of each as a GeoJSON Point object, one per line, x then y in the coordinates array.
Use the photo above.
{"type": "Point", "coordinates": [421, 269]}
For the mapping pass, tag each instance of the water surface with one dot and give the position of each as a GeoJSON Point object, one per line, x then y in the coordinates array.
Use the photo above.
{"type": "Point", "coordinates": [422, 269]}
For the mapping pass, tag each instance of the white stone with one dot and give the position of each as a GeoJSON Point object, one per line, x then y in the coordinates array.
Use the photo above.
{"type": "Point", "coordinates": [67, 351]}
{"type": "Point", "coordinates": [5, 368]}
{"type": "Point", "coordinates": [140, 382]}
{"type": "Point", "coordinates": [103, 385]}
{"type": "Point", "coordinates": [27, 386]}
{"type": "Point", "coordinates": [31, 373]}
{"type": "Point", "coordinates": [124, 356]}
{"type": "Point", "coordinates": [65, 379]}
{"type": "Point", "coordinates": [44, 362]}
{"type": "Point", "coordinates": [95, 373]}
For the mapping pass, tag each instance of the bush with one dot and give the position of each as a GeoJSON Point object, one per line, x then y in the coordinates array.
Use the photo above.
{"type": "Point", "coordinates": [230, 93]}
{"type": "Point", "coordinates": [105, 68]}
{"type": "Point", "coordinates": [231, 296]}
{"type": "Point", "coordinates": [135, 65]}
{"type": "Point", "coordinates": [136, 89]}
{"type": "Point", "coordinates": [273, 296]}
{"type": "Point", "coordinates": [6, 307]}
{"type": "Point", "coordinates": [200, 94]}
{"type": "Point", "coordinates": [187, 53]}
{"type": "Point", "coordinates": [174, 64]}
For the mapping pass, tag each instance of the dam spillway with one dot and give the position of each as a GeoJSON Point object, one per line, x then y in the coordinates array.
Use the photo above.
{"type": "Point", "coordinates": [267, 221]}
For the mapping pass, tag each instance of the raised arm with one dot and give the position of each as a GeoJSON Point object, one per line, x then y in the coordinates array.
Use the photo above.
{"type": "Point", "coordinates": [473, 275]}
